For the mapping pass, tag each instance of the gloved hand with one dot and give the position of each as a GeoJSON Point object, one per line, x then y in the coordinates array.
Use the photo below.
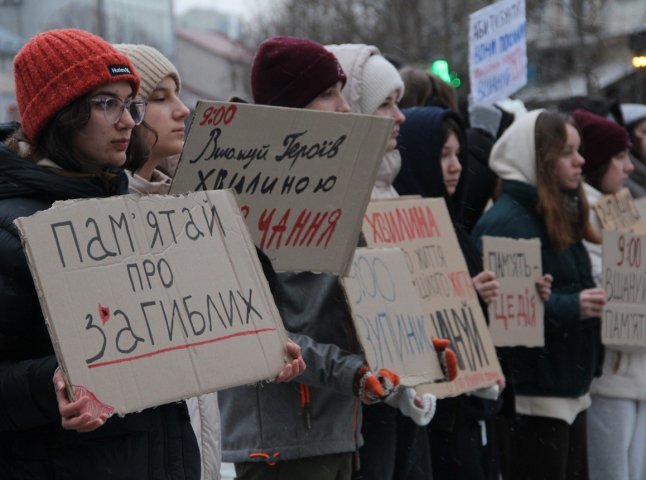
{"type": "Point", "coordinates": [374, 387]}
{"type": "Point", "coordinates": [448, 360]}
{"type": "Point", "coordinates": [404, 398]}
{"type": "Point", "coordinates": [488, 393]}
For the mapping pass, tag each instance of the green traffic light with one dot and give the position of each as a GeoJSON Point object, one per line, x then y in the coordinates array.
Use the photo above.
{"type": "Point", "coordinates": [441, 69]}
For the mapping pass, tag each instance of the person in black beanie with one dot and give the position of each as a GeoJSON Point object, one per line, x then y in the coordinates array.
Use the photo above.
{"type": "Point", "coordinates": [308, 430]}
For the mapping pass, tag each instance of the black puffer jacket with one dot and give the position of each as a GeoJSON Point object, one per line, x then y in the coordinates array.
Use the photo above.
{"type": "Point", "coordinates": [156, 444]}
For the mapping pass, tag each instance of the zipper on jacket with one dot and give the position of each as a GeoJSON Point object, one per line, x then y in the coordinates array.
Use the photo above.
{"type": "Point", "coordinates": [305, 404]}
{"type": "Point", "coordinates": [355, 347]}
{"type": "Point", "coordinates": [258, 409]}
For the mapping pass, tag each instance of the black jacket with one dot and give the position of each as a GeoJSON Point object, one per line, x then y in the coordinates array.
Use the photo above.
{"type": "Point", "coordinates": [156, 444]}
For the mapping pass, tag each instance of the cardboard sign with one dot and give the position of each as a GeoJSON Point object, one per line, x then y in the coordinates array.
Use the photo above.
{"type": "Point", "coordinates": [423, 229]}
{"type": "Point", "coordinates": [390, 322]}
{"type": "Point", "coordinates": [619, 212]}
{"type": "Point", "coordinates": [640, 205]}
{"type": "Point", "coordinates": [516, 316]}
{"type": "Point", "coordinates": [624, 280]}
{"type": "Point", "coordinates": [153, 299]}
{"type": "Point", "coordinates": [303, 178]}
{"type": "Point", "coordinates": [497, 51]}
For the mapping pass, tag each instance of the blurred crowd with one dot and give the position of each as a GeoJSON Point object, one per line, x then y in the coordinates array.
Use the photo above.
{"type": "Point", "coordinates": [97, 120]}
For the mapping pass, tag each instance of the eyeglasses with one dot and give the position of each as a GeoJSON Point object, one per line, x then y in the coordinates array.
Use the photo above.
{"type": "Point", "coordinates": [113, 108]}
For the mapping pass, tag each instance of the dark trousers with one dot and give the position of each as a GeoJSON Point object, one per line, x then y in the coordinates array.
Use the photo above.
{"type": "Point", "coordinates": [504, 428]}
{"type": "Point", "coordinates": [458, 449]}
{"type": "Point", "coordinates": [549, 449]}
{"type": "Point", "coordinates": [395, 448]}
{"type": "Point", "coordinates": [460, 453]}
{"type": "Point", "coordinates": [324, 467]}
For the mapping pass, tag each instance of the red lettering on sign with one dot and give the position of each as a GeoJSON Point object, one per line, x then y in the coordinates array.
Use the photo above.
{"type": "Point", "coordinates": [216, 115]}
{"type": "Point", "coordinates": [462, 284]}
{"type": "Point", "coordinates": [104, 314]}
{"type": "Point", "coordinates": [400, 224]}
{"type": "Point", "coordinates": [517, 307]}
{"type": "Point", "coordinates": [180, 347]}
{"type": "Point", "coordinates": [302, 228]}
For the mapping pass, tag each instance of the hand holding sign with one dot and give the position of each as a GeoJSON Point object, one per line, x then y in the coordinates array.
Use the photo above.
{"type": "Point", "coordinates": [544, 287]}
{"type": "Point", "coordinates": [487, 286]}
{"type": "Point", "coordinates": [295, 367]}
{"type": "Point", "coordinates": [447, 357]}
{"type": "Point", "coordinates": [591, 302]}
{"type": "Point", "coordinates": [84, 414]}
{"type": "Point", "coordinates": [420, 409]}
{"type": "Point", "coordinates": [375, 387]}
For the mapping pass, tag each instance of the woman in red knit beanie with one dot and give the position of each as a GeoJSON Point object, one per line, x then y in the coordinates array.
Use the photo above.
{"type": "Point", "coordinates": [77, 100]}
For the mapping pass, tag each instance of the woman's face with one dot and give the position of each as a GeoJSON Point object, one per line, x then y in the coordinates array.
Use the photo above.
{"type": "Point", "coordinates": [568, 167]}
{"type": "Point", "coordinates": [615, 177]}
{"type": "Point", "coordinates": [101, 143]}
{"type": "Point", "coordinates": [165, 113]}
{"type": "Point", "coordinates": [451, 166]}
{"type": "Point", "coordinates": [330, 100]}
{"type": "Point", "coordinates": [389, 108]}
{"type": "Point", "coordinates": [639, 132]}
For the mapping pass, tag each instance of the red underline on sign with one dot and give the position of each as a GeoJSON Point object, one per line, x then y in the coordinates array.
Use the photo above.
{"type": "Point", "coordinates": [180, 347]}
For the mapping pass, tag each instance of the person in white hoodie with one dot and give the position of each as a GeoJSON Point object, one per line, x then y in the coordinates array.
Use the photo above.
{"type": "Point", "coordinates": [542, 197]}
{"type": "Point", "coordinates": [617, 416]}
{"type": "Point", "coordinates": [395, 446]}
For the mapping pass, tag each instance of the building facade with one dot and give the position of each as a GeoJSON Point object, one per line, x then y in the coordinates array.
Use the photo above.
{"type": "Point", "coordinates": [118, 21]}
{"type": "Point", "coordinates": [582, 48]}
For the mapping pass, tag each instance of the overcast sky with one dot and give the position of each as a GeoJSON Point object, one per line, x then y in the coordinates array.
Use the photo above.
{"type": "Point", "coordinates": [246, 8]}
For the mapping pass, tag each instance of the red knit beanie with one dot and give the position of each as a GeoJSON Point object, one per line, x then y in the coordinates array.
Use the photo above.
{"type": "Point", "coordinates": [601, 139]}
{"type": "Point", "coordinates": [55, 68]}
{"type": "Point", "coordinates": [291, 72]}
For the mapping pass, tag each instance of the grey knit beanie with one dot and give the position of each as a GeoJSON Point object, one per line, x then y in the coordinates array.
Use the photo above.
{"type": "Point", "coordinates": [151, 65]}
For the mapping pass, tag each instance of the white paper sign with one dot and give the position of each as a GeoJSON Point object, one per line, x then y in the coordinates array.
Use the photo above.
{"type": "Point", "coordinates": [497, 51]}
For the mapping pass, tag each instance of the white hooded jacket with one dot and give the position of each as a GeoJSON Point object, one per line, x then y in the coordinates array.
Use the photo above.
{"type": "Point", "coordinates": [365, 97]}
